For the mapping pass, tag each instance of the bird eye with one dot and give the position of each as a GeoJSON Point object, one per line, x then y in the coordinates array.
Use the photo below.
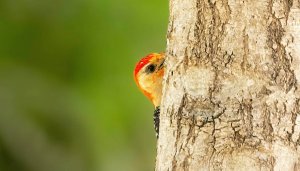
{"type": "Point", "coordinates": [150, 68]}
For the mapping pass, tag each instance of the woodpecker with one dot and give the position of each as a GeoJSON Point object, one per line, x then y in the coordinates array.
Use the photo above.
{"type": "Point", "coordinates": [148, 75]}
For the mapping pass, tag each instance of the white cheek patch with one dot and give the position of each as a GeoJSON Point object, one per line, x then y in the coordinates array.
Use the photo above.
{"type": "Point", "coordinates": [146, 82]}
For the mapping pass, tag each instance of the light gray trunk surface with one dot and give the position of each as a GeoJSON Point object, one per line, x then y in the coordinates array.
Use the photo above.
{"type": "Point", "coordinates": [231, 97]}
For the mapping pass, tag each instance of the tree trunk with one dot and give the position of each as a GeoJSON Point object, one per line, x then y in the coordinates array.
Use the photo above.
{"type": "Point", "coordinates": [231, 97]}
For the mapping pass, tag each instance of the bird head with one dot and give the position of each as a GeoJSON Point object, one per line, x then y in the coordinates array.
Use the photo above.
{"type": "Point", "coordinates": [148, 75]}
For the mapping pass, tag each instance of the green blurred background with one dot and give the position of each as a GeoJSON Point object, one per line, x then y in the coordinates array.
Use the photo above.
{"type": "Point", "coordinates": [67, 97]}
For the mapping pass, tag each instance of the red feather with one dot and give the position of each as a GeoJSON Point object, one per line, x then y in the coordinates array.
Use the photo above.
{"type": "Point", "coordinates": [153, 57]}
{"type": "Point", "coordinates": [144, 61]}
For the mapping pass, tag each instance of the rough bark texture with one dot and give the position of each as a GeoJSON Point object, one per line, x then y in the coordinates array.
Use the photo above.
{"type": "Point", "coordinates": [231, 97]}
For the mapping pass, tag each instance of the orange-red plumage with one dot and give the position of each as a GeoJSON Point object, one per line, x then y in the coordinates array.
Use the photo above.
{"type": "Point", "coordinates": [144, 61]}
{"type": "Point", "coordinates": [148, 75]}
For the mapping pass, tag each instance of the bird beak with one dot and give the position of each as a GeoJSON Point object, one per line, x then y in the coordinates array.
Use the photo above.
{"type": "Point", "coordinates": [161, 65]}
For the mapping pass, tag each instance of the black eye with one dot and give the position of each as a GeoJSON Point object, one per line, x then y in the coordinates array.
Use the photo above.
{"type": "Point", "coordinates": [150, 68]}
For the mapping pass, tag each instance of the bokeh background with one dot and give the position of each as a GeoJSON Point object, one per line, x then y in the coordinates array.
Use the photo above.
{"type": "Point", "coordinates": [67, 98]}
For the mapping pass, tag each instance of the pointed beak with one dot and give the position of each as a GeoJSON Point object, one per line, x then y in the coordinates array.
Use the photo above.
{"type": "Point", "coordinates": [161, 65]}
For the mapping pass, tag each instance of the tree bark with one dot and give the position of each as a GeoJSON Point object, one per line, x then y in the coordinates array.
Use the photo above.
{"type": "Point", "coordinates": [231, 97]}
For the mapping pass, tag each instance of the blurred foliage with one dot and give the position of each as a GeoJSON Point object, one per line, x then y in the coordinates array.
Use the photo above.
{"type": "Point", "coordinates": [67, 98]}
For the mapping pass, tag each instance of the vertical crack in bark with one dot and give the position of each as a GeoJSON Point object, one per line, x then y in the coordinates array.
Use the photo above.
{"type": "Point", "coordinates": [246, 132]}
{"type": "Point", "coordinates": [267, 125]}
{"type": "Point", "coordinates": [287, 8]}
{"type": "Point", "coordinates": [208, 30]}
{"type": "Point", "coordinates": [244, 63]}
{"type": "Point", "coordinates": [295, 112]}
{"type": "Point", "coordinates": [211, 160]}
{"type": "Point", "coordinates": [178, 119]}
{"type": "Point", "coordinates": [282, 73]}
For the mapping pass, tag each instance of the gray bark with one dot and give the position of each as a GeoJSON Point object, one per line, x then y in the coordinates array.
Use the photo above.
{"type": "Point", "coordinates": [231, 98]}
